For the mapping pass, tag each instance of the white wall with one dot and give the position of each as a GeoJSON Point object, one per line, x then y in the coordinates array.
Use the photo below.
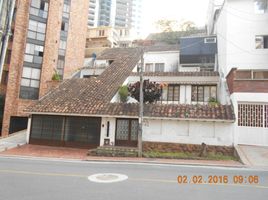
{"type": "Point", "coordinates": [170, 58]}
{"type": "Point", "coordinates": [189, 132]}
{"type": "Point", "coordinates": [111, 130]}
{"type": "Point", "coordinates": [174, 131]}
{"type": "Point", "coordinates": [250, 135]}
{"type": "Point", "coordinates": [236, 29]}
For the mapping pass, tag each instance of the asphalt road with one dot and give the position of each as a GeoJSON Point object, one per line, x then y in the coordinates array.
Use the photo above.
{"type": "Point", "coordinates": [31, 179]}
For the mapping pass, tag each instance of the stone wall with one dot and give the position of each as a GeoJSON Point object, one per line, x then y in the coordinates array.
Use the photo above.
{"type": "Point", "coordinates": [186, 148]}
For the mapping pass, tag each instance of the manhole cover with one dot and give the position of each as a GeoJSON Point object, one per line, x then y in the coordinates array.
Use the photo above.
{"type": "Point", "coordinates": [107, 178]}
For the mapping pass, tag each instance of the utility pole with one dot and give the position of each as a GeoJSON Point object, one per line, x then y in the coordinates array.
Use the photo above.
{"type": "Point", "coordinates": [141, 105]}
{"type": "Point", "coordinates": [6, 34]}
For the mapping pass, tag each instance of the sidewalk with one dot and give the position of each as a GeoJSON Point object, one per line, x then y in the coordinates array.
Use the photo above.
{"type": "Point", "coordinates": [253, 156]}
{"type": "Point", "coordinates": [81, 154]}
{"type": "Point", "coordinates": [13, 140]}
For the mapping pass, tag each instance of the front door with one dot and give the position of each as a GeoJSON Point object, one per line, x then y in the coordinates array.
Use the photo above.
{"type": "Point", "coordinates": [126, 132]}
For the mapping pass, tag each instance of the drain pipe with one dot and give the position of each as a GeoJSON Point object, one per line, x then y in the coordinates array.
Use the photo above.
{"type": "Point", "coordinates": [5, 36]}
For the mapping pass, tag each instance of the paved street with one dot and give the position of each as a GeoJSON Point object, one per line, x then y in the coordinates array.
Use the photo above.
{"type": "Point", "coordinates": [47, 179]}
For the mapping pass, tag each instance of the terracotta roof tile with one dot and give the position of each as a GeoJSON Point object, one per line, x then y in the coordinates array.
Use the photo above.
{"type": "Point", "coordinates": [190, 74]}
{"type": "Point", "coordinates": [92, 96]}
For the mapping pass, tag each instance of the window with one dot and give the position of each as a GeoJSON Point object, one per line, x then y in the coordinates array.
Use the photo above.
{"type": "Point", "coordinates": [66, 10]}
{"type": "Point", "coordinates": [202, 93]}
{"type": "Point", "coordinates": [261, 42]}
{"type": "Point", "coordinates": [101, 32]}
{"type": "Point", "coordinates": [253, 115]}
{"type": "Point", "coordinates": [149, 67]}
{"type": "Point", "coordinates": [36, 30]}
{"type": "Point", "coordinates": [33, 53]}
{"type": "Point", "coordinates": [260, 6]}
{"type": "Point", "coordinates": [251, 75]}
{"type": "Point", "coordinates": [243, 75]}
{"type": "Point", "coordinates": [39, 8]}
{"type": "Point", "coordinates": [210, 40]}
{"type": "Point", "coordinates": [30, 77]}
{"type": "Point", "coordinates": [64, 26]}
{"type": "Point", "coordinates": [260, 75]}
{"type": "Point", "coordinates": [159, 67]}
{"type": "Point", "coordinates": [173, 93]}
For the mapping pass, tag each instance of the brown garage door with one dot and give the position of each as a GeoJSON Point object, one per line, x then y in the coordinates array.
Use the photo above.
{"type": "Point", "coordinates": [82, 132]}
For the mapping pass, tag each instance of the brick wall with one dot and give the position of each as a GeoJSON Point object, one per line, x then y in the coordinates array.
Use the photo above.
{"type": "Point", "coordinates": [77, 34]}
{"type": "Point", "coordinates": [51, 44]}
{"type": "Point", "coordinates": [12, 103]}
{"type": "Point", "coordinates": [74, 52]}
{"type": "Point", "coordinates": [186, 148]}
{"type": "Point", "coordinates": [252, 86]}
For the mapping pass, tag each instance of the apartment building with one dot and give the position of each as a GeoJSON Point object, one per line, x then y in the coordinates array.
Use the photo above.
{"type": "Point", "coordinates": [242, 34]}
{"type": "Point", "coordinates": [49, 37]}
{"type": "Point", "coordinates": [124, 15]}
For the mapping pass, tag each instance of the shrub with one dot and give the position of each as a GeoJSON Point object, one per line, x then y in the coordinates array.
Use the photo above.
{"type": "Point", "coordinates": [123, 92]}
{"type": "Point", "coordinates": [56, 77]}
{"type": "Point", "coordinates": [213, 101]}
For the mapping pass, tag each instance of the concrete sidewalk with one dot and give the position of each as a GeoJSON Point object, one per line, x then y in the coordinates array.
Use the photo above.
{"type": "Point", "coordinates": [81, 154]}
{"type": "Point", "coordinates": [253, 156]}
{"type": "Point", "coordinates": [12, 141]}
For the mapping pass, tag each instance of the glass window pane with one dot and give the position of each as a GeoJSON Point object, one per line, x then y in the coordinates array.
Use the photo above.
{"type": "Point", "coordinates": [25, 82]}
{"type": "Point", "coordinates": [28, 58]}
{"type": "Point", "coordinates": [170, 93]}
{"type": "Point", "coordinates": [34, 84]}
{"type": "Point", "coordinates": [213, 92]}
{"type": "Point", "coordinates": [32, 25]}
{"type": "Point", "coordinates": [35, 73]}
{"type": "Point", "coordinates": [177, 93]}
{"type": "Point", "coordinates": [122, 129]}
{"type": "Point", "coordinates": [36, 3]}
{"type": "Point", "coordinates": [40, 37]}
{"type": "Point", "coordinates": [243, 75]}
{"type": "Point", "coordinates": [194, 93]}
{"type": "Point", "coordinates": [26, 73]}
{"type": "Point", "coordinates": [207, 93]}
{"type": "Point", "coordinates": [200, 91]}
{"type": "Point", "coordinates": [134, 130]}
{"type": "Point", "coordinates": [31, 35]}
{"type": "Point", "coordinates": [260, 75]}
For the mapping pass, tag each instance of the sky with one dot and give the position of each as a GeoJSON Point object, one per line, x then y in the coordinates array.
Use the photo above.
{"type": "Point", "coordinates": [179, 10]}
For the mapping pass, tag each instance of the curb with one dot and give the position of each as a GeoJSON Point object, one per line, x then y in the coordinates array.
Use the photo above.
{"type": "Point", "coordinates": [166, 163]}
{"type": "Point", "coordinates": [123, 161]}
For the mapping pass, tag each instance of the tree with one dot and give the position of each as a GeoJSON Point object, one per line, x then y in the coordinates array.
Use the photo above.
{"type": "Point", "coordinates": [151, 91]}
{"type": "Point", "coordinates": [187, 26]}
{"type": "Point", "coordinates": [166, 25]}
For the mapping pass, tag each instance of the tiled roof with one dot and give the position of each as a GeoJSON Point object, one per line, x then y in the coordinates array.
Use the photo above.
{"type": "Point", "coordinates": [190, 74]}
{"type": "Point", "coordinates": [162, 48]}
{"type": "Point", "coordinates": [92, 96]}
{"type": "Point", "coordinates": [115, 53]}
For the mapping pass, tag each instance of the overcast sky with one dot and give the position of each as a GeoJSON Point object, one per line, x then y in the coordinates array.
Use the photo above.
{"type": "Point", "coordinates": [153, 10]}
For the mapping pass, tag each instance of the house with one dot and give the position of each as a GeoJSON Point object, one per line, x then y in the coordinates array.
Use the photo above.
{"type": "Point", "coordinates": [88, 112]}
{"type": "Point", "coordinates": [242, 36]}
{"type": "Point", "coordinates": [198, 53]}
{"type": "Point", "coordinates": [99, 39]}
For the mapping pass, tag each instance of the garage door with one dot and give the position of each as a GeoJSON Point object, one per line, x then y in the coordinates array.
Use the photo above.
{"type": "Point", "coordinates": [83, 132]}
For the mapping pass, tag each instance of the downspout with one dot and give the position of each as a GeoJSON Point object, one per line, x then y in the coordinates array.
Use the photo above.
{"type": "Point", "coordinates": [6, 35]}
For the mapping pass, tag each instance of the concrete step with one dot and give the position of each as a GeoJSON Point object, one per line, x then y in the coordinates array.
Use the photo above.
{"type": "Point", "coordinates": [112, 151]}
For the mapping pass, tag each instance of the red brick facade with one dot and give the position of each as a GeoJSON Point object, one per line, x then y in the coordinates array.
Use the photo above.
{"type": "Point", "coordinates": [15, 106]}
{"type": "Point", "coordinates": [251, 86]}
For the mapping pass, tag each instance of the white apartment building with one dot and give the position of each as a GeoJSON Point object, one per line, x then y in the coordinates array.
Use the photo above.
{"type": "Point", "coordinates": [124, 15]}
{"type": "Point", "coordinates": [242, 34]}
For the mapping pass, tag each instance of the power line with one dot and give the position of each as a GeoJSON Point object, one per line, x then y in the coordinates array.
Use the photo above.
{"type": "Point", "coordinates": [224, 7]}
{"type": "Point", "coordinates": [237, 46]}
